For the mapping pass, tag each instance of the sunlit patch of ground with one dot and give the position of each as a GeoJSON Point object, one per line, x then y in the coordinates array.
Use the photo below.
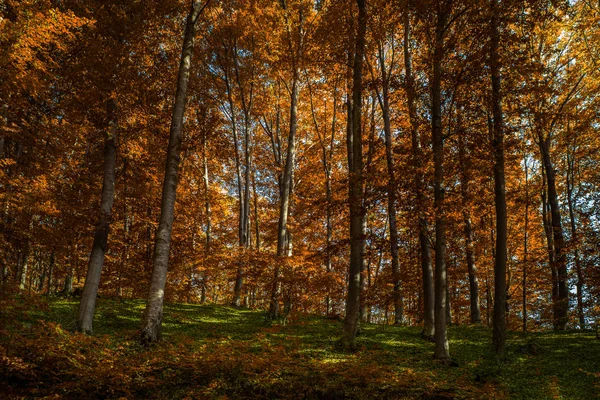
{"type": "Point", "coordinates": [216, 352]}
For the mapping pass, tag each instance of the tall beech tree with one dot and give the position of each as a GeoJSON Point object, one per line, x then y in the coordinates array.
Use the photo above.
{"type": "Point", "coordinates": [442, 14]}
{"type": "Point", "coordinates": [356, 182]}
{"type": "Point", "coordinates": [152, 320]}
{"type": "Point", "coordinates": [87, 305]}
{"type": "Point", "coordinates": [419, 184]}
{"type": "Point", "coordinates": [499, 329]}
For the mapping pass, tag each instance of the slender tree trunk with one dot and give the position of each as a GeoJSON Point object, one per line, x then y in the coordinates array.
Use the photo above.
{"type": "Point", "coordinates": [256, 216]}
{"type": "Point", "coordinates": [574, 238]}
{"type": "Point", "coordinates": [419, 184]}
{"type": "Point", "coordinates": [50, 273]}
{"type": "Point", "coordinates": [560, 264]}
{"type": "Point", "coordinates": [284, 237]}
{"type": "Point", "coordinates": [384, 103]}
{"type": "Point", "coordinates": [525, 244]}
{"type": "Point", "coordinates": [152, 320]}
{"type": "Point", "coordinates": [207, 208]}
{"type": "Point", "coordinates": [442, 350]}
{"type": "Point", "coordinates": [68, 286]}
{"type": "Point", "coordinates": [357, 209]}
{"type": "Point", "coordinates": [85, 316]}
{"type": "Point", "coordinates": [245, 204]}
{"type": "Point", "coordinates": [284, 201]}
{"type": "Point", "coordinates": [468, 231]}
{"type": "Point", "coordinates": [326, 155]}
{"type": "Point", "coordinates": [24, 267]}
{"type": "Point", "coordinates": [499, 321]}
{"type": "Point", "coordinates": [547, 224]}
{"type": "Point", "coordinates": [42, 279]}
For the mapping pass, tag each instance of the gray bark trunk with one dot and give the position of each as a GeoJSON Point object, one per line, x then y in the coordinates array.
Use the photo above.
{"type": "Point", "coordinates": [442, 351]}
{"type": "Point", "coordinates": [419, 184]}
{"type": "Point", "coordinates": [24, 267]}
{"type": "Point", "coordinates": [468, 232]}
{"type": "Point", "coordinates": [152, 320]}
{"type": "Point", "coordinates": [574, 238]}
{"type": "Point", "coordinates": [284, 201]}
{"type": "Point", "coordinates": [326, 157]}
{"type": "Point", "coordinates": [357, 209]}
{"type": "Point", "coordinates": [560, 266]}
{"type": "Point", "coordinates": [525, 246]}
{"type": "Point", "coordinates": [284, 238]}
{"type": "Point", "coordinates": [87, 305]}
{"type": "Point", "coordinates": [384, 103]}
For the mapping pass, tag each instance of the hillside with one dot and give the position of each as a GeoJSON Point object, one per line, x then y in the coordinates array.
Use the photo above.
{"type": "Point", "coordinates": [220, 352]}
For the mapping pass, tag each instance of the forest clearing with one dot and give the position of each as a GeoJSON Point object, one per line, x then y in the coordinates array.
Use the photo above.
{"type": "Point", "coordinates": [300, 199]}
{"type": "Point", "coordinates": [221, 352]}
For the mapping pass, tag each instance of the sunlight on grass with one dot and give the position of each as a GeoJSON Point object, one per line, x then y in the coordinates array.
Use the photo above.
{"type": "Point", "coordinates": [208, 343]}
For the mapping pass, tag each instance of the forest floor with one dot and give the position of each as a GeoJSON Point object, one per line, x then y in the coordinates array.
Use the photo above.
{"type": "Point", "coordinates": [220, 352]}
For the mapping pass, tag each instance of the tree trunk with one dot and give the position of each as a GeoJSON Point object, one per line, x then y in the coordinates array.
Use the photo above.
{"type": "Point", "coordinates": [499, 319]}
{"type": "Point", "coordinates": [384, 103]}
{"type": "Point", "coordinates": [326, 156]}
{"type": "Point", "coordinates": [284, 201]}
{"type": "Point", "coordinates": [256, 216]}
{"type": "Point", "coordinates": [245, 202]}
{"type": "Point", "coordinates": [85, 316]}
{"type": "Point", "coordinates": [442, 350]}
{"type": "Point", "coordinates": [152, 320]}
{"type": "Point", "coordinates": [525, 244]}
{"type": "Point", "coordinates": [50, 273]}
{"type": "Point", "coordinates": [357, 209]}
{"type": "Point", "coordinates": [24, 266]}
{"type": "Point", "coordinates": [560, 265]}
{"type": "Point", "coordinates": [468, 231]}
{"type": "Point", "coordinates": [284, 237]}
{"type": "Point", "coordinates": [419, 184]}
{"type": "Point", "coordinates": [547, 224]}
{"type": "Point", "coordinates": [207, 210]}
{"type": "Point", "coordinates": [574, 238]}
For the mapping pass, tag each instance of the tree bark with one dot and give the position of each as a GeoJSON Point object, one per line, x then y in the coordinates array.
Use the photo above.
{"type": "Point", "coordinates": [357, 209]}
{"type": "Point", "coordinates": [50, 273]}
{"type": "Point", "coordinates": [24, 266]}
{"type": "Point", "coordinates": [284, 238]}
{"type": "Point", "coordinates": [499, 318]}
{"type": "Point", "coordinates": [525, 244]}
{"type": "Point", "coordinates": [574, 238]}
{"type": "Point", "coordinates": [384, 103]}
{"type": "Point", "coordinates": [85, 316]}
{"type": "Point", "coordinates": [560, 265]}
{"type": "Point", "coordinates": [245, 201]}
{"type": "Point", "coordinates": [152, 320]}
{"type": "Point", "coordinates": [442, 350]}
{"type": "Point", "coordinates": [284, 201]}
{"type": "Point", "coordinates": [326, 157]}
{"type": "Point", "coordinates": [468, 232]}
{"type": "Point", "coordinates": [547, 224]}
{"type": "Point", "coordinates": [419, 184]}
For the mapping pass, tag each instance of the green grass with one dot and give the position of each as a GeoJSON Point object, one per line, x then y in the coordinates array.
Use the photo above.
{"type": "Point", "coordinates": [216, 352]}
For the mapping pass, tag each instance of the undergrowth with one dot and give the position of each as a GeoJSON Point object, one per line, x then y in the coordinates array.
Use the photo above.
{"type": "Point", "coordinates": [213, 351]}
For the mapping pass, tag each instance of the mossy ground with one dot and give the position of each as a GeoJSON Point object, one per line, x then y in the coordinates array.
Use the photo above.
{"type": "Point", "coordinates": [221, 352]}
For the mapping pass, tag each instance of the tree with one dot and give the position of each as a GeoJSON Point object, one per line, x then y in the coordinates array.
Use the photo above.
{"type": "Point", "coordinates": [499, 331]}
{"type": "Point", "coordinates": [152, 320]}
{"type": "Point", "coordinates": [357, 209]}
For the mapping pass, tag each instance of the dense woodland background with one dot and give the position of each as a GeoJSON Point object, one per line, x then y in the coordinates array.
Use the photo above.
{"type": "Point", "coordinates": [304, 118]}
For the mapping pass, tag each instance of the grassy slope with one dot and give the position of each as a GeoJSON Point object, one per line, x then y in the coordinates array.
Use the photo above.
{"type": "Point", "coordinates": [213, 352]}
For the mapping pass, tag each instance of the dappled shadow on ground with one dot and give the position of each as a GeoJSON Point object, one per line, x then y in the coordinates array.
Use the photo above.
{"type": "Point", "coordinates": [214, 351]}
